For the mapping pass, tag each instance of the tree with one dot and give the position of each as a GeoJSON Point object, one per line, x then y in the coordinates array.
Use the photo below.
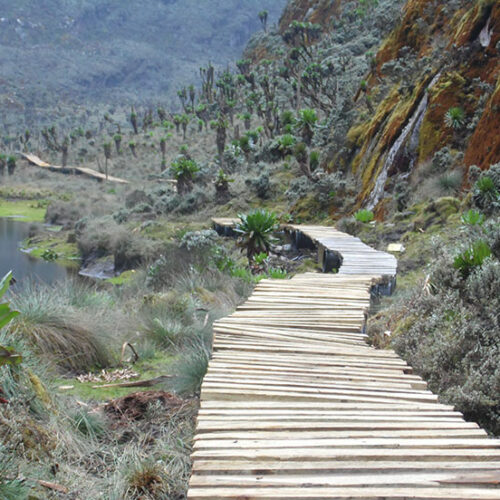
{"type": "Point", "coordinates": [255, 230]}
{"type": "Point", "coordinates": [220, 125]}
{"type": "Point", "coordinates": [132, 146]}
{"type": "Point", "coordinates": [11, 164]}
{"type": "Point", "coordinates": [222, 186]}
{"type": "Point", "coordinates": [263, 15]}
{"type": "Point", "coordinates": [184, 170]}
{"type": "Point", "coordinates": [118, 142]}
{"type": "Point", "coordinates": [107, 157]}
{"type": "Point", "coordinates": [184, 124]}
{"type": "Point", "coordinates": [133, 121]}
{"type": "Point", "coordinates": [306, 124]}
{"type": "Point", "coordinates": [163, 149]}
{"type": "Point", "coordinates": [3, 163]}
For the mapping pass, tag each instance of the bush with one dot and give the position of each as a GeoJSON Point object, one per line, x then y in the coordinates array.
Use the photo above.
{"type": "Point", "coordinates": [64, 213]}
{"type": "Point", "coordinates": [364, 215]}
{"type": "Point", "coordinates": [190, 369]}
{"type": "Point", "coordinates": [473, 218]}
{"type": "Point", "coordinates": [455, 118]}
{"type": "Point", "coordinates": [51, 326]}
{"type": "Point", "coordinates": [255, 231]}
{"type": "Point", "coordinates": [449, 335]}
{"type": "Point", "coordinates": [473, 257]}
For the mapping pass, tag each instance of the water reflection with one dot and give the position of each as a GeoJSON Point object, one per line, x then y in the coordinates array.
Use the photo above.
{"type": "Point", "coordinates": [24, 267]}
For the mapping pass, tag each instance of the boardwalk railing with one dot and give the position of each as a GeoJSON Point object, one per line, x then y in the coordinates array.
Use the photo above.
{"type": "Point", "coordinates": [295, 404]}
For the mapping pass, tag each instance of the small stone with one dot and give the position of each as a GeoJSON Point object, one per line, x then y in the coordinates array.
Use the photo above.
{"type": "Point", "coordinates": [396, 248]}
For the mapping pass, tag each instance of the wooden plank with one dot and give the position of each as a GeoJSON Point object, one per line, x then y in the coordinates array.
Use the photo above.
{"type": "Point", "coordinates": [296, 405]}
{"type": "Point", "coordinates": [330, 493]}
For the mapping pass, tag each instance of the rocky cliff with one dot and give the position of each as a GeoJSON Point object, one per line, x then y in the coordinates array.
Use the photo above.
{"type": "Point", "coordinates": [418, 91]}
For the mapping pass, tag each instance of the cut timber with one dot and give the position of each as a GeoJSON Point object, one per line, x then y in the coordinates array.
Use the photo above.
{"type": "Point", "coordinates": [296, 405]}
{"type": "Point", "coordinates": [34, 160]}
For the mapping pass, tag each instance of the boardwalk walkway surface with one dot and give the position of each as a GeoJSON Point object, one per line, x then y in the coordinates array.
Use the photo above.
{"type": "Point", "coordinates": [296, 405]}
{"type": "Point", "coordinates": [34, 160]}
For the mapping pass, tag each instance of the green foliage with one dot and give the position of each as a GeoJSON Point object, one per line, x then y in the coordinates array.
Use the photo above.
{"type": "Point", "coordinates": [473, 218]}
{"type": "Point", "coordinates": [277, 274]}
{"type": "Point", "coordinates": [364, 215]}
{"type": "Point", "coordinates": [49, 255]}
{"type": "Point", "coordinates": [6, 313]}
{"type": "Point", "coordinates": [260, 258]}
{"type": "Point", "coordinates": [455, 118]}
{"type": "Point", "coordinates": [473, 257]}
{"type": "Point", "coordinates": [190, 369]}
{"type": "Point", "coordinates": [314, 157]}
{"type": "Point", "coordinates": [7, 355]}
{"type": "Point", "coordinates": [184, 170]}
{"type": "Point", "coordinates": [255, 230]}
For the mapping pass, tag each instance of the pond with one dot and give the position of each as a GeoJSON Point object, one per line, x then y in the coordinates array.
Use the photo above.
{"type": "Point", "coordinates": [23, 266]}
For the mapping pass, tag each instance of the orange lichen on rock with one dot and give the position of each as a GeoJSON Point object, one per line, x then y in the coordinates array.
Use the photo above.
{"type": "Point", "coordinates": [484, 147]}
{"type": "Point", "coordinates": [447, 93]}
{"type": "Point", "coordinates": [412, 32]}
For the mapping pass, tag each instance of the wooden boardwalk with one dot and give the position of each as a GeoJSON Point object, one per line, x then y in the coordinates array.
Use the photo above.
{"type": "Point", "coordinates": [296, 405]}
{"type": "Point", "coordinates": [34, 160]}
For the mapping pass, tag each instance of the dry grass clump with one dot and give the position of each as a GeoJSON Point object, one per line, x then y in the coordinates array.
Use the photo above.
{"type": "Point", "coordinates": [54, 323]}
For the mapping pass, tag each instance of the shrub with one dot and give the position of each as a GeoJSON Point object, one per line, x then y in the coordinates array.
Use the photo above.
{"type": "Point", "coordinates": [261, 184]}
{"type": "Point", "coordinates": [190, 369]}
{"type": "Point", "coordinates": [455, 118]}
{"type": "Point", "coordinates": [473, 257]}
{"type": "Point", "coordinates": [450, 182]}
{"type": "Point", "coordinates": [364, 215]}
{"type": "Point", "coordinates": [64, 213]}
{"type": "Point", "coordinates": [50, 326]}
{"type": "Point", "coordinates": [255, 231]}
{"type": "Point", "coordinates": [277, 274]}
{"type": "Point", "coordinates": [184, 169]}
{"type": "Point", "coordinates": [486, 193]}
{"type": "Point", "coordinates": [473, 218]}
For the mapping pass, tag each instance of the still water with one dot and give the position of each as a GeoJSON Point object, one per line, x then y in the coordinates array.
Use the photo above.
{"type": "Point", "coordinates": [24, 267]}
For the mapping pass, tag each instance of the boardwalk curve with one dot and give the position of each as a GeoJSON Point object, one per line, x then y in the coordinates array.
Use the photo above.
{"type": "Point", "coordinates": [295, 404]}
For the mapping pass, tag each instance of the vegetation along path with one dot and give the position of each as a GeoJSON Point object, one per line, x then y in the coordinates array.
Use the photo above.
{"type": "Point", "coordinates": [296, 405]}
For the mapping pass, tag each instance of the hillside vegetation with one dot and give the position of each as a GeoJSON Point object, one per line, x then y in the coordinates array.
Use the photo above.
{"type": "Point", "coordinates": [377, 116]}
{"type": "Point", "coordinates": [62, 53]}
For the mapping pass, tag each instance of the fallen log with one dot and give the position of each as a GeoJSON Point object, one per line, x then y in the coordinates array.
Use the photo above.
{"type": "Point", "coordinates": [139, 383]}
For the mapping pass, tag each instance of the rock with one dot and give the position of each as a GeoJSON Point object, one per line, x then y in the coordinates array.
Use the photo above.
{"type": "Point", "coordinates": [396, 248]}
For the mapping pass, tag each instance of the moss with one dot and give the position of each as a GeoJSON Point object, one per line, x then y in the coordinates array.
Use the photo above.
{"type": "Point", "coordinates": [123, 278]}
{"type": "Point", "coordinates": [484, 148]}
{"type": "Point", "coordinates": [26, 210]}
{"type": "Point", "coordinates": [448, 92]}
{"type": "Point", "coordinates": [55, 243]}
{"type": "Point", "coordinates": [39, 389]}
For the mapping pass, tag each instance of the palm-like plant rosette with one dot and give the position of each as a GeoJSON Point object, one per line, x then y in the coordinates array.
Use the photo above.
{"type": "Point", "coordinates": [255, 230]}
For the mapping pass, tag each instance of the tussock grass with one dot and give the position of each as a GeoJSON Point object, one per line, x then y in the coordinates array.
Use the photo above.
{"type": "Point", "coordinates": [52, 326]}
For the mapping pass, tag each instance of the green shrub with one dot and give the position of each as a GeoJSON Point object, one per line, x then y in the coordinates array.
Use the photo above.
{"type": "Point", "coordinates": [450, 182]}
{"type": "Point", "coordinates": [184, 170]}
{"type": "Point", "coordinates": [364, 215]}
{"type": "Point", "coordinates": [255, 230]}
{"type": "Point", "coordinates": [473, 257]}
{"type": "Point", "coordinates": [486, 194]}
{"type": "Point", "coordinates": [277, 274]}
{"type": "Point", "coordinates": [455, 118]}
{"type": "Point", "coordinates": [473, 218]}
{"type": "Point", "coordinates": [190, 369]}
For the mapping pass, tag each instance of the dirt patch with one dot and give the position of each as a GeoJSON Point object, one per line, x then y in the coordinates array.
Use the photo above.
{"type": "Point", "coordinates": [134, 406]}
